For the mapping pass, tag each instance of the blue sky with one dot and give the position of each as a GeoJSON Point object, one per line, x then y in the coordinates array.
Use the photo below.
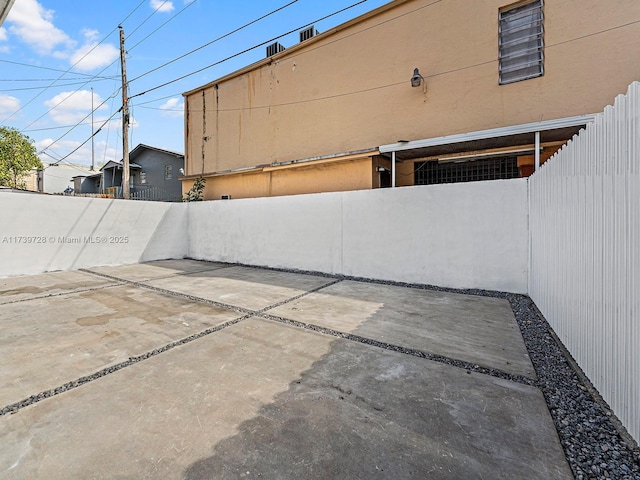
{"type": "Point", "coordinates": [53, 52]}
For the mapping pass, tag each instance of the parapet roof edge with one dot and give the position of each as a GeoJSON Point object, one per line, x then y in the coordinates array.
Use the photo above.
{"type": "Point", "coordinates": [298, 46]}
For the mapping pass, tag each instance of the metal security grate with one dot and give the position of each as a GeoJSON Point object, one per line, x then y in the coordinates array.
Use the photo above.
{"type": "Point", "coordinates": [431, 173]}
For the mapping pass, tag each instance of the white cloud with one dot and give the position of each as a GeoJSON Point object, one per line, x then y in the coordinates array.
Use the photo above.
{"type": "Point", "coordinates": [33, 25]}
{"type": "Point", "coordinates": [162, 5]}
{"type": "Point", "coordinates": [3, 38]}
{"type": "Point", "coordinates": [69, 108]}
{"type": "Point", "coordinates": [8, 104]}
{"type": "Point", "coordinates": [91, 55]}
{"type": "Point", "coordinates": [172, 108]}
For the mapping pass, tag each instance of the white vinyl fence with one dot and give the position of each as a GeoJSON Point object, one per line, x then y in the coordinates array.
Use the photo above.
{"type": "Point", "coordinates": [585, 252]}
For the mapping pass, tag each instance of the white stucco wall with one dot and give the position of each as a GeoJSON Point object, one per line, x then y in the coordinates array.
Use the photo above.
{"type": "Point", "coordinates": [472, 235]}
{"type": "Point", "coordinates": [40, 233]}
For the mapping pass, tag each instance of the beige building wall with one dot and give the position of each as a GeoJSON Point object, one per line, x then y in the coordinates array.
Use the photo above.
{"type": "Point", "coordinates": [315, 178]}
{"type": "Point", "coordinates": [348, 89]}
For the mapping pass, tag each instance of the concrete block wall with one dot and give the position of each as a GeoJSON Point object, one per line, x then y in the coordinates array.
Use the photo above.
{"type": "Point", "coordinates": [40, 233]}
{"type": "Point", "coordinates": [471, 235]}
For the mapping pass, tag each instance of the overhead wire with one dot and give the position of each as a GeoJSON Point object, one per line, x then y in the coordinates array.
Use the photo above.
{"type": "Point", "coordinates": [87, 140]}
{"type": "Point", "coordinates": [46, 68]}
{"type": "Point", "coordinates": [247, 50]}
{"type": "Point", "coordinates": [23, 89]}
{"type": "Point", "coordinates": [214, 40]}
{"type": "Point", "coordinates": [145, 38]}
{"type": "Point", "coordinates": [432, 75]}
{"type": "Point", "coordinates": [81, 121]}
{"type": "Point", "coordinates": [384, 86]}
{"type": "Point", "coordinates": [160, 26]}
{"type": "Point", "coordinates": [72, 93]}
{"type": "Point", "coordinates": [67, 71]}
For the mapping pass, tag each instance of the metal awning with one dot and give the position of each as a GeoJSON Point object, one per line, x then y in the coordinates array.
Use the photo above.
{"type": "Point", "coordinates": [547, 131]}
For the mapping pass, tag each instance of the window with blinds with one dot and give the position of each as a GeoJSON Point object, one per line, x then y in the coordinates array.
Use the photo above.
{"type": "Point", "coordinates": [521, 42]}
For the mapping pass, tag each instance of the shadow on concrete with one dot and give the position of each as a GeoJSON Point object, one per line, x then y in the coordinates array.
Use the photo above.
{"type": "Point", "coordinates": [362, 412]}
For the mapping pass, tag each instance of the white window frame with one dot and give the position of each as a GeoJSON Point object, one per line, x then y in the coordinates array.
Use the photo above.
{"type": "Point", "coordinates": [521, 42]}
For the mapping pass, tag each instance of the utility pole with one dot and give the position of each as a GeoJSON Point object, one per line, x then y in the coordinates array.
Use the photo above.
{"type": "Point", "coordinates": [93, 156]}
{"type": "Point", "coordinates": [125, 120]}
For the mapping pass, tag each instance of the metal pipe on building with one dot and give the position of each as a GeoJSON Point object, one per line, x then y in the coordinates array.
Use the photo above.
{"type": "Point", "coordinates": [393, 169]}
{"type": "Point", "coordinates": [537, 147]}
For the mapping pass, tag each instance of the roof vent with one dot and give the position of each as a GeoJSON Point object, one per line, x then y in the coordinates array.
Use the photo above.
{"type": "Point", "coordinates": [274, 48]}
{"type": "Point", "coordinates": [308, 33]}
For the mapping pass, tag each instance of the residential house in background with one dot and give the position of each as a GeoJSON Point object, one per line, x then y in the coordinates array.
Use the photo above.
{"type": "Point", "coordinates": [153, 175]}
{"type": "Point", "coordinates": [415, 92]}
{"type": "Point", "coordinates": [56, 177]}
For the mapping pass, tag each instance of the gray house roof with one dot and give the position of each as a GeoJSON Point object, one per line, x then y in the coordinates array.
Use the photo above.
{"type": "Point", "coordinates": [141, 147]}
{"type": "Point", "coordinates": [114, 164]}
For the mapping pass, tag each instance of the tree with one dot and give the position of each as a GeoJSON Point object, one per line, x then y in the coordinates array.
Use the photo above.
{"type": "Point", "coordinates": [17, 158]}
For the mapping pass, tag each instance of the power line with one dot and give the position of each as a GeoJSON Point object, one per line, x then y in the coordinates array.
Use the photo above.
{"type": "Point", "coordinates": [22, 80]}
{"type": "Point", "coordinates": [162, 25]}
{"type": "Point", "coordinates": [47, 68]}
{"type": "Point", "coordinates": [147, 19]}
{"type": "Point", "coordinates": [83, 143]}
{"type": "Point", "coordinates": [53, 128]}
{"type": "Point", "coordinates": [247, 50]}
{"type": "Point", "coordinates": [81, 122]}
{"type": "Point", "coordinates": [215, 40]}
{"type": "Point", "coordinates": [60, 85]}
{"type": "Point", "coordinates": [68, 70]}
{"type": "Point", "coordinates": [435, 74]}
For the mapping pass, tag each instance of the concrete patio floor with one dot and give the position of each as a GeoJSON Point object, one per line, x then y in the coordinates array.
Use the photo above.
{"type": "Point", "coordinates": [194, 370]}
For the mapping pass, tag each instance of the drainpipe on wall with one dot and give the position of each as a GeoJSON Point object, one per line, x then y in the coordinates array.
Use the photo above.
{"type": "Point", "coordinates": [537, 151]}
{"type": "Point", "coordinates": [393, 169]}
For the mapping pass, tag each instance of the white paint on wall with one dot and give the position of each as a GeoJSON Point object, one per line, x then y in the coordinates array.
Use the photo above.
{"type": "Point", "coordinates": [465, 235]}
{"type": "Point", "coordinates": [301, 232]}
{"type": "Point", "coordinates": [40, 233]}
{"type": "Point", "coordinates": [472, 235]}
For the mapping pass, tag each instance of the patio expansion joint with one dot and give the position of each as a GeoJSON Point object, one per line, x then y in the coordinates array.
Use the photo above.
{"type": "Point", "coordinates": [61, 294]}
{"type": "Point", "coordinates": [163, 277]}
{"type": "Point", "coordinates": [15, 407]}
{"type": "Point", "coordinates": [468, 366]}
{"type": "Point", "coordinates": [297, 297]}
{"type": "Point", "coordinates": [172, 293]}
{"type": "Point", "coordinates": [247, 313]}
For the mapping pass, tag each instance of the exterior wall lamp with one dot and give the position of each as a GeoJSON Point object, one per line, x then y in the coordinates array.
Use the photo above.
{"type": "Point", "coordinates": [416, 79]}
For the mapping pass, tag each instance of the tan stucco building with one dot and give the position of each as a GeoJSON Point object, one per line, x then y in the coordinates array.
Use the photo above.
{"type": "Point", "coordinates": [499, 87]}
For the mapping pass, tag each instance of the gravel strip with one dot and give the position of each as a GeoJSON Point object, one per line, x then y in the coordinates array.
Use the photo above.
{"type": "Point", "coordinates": [585, 424]}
